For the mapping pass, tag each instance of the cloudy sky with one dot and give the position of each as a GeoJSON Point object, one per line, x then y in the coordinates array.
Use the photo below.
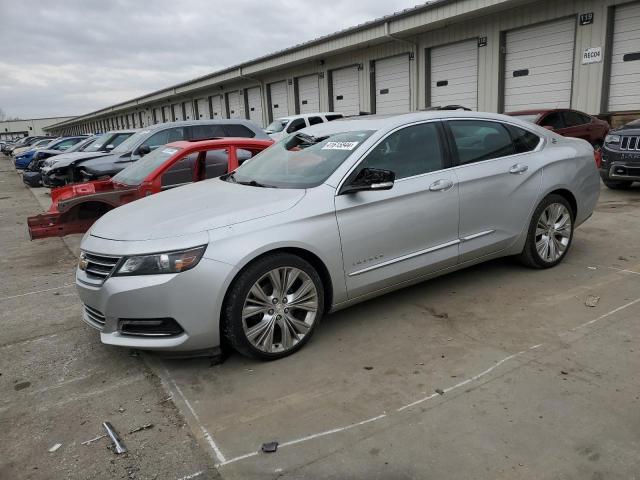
{"type": "Point", "coordinates": [67, 57]}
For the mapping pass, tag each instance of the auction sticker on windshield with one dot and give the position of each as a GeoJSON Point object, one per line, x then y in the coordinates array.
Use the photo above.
{"type": "Point", "coordinates": [170, 151]}
{"type": "Point", "coordinates": [340, 145]}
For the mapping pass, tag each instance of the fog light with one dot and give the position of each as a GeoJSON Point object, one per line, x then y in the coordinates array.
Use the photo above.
{"type": "Point", "coordinates": [152, 327]}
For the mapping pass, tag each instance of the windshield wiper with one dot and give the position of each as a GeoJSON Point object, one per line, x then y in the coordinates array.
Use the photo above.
{"type": "Point", "coordinates": [253, 183]}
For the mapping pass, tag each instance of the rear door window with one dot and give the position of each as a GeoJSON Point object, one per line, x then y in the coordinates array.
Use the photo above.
{"type": "Point", "coordinates": [315, 120]}
{"type": "Point", "coordinates": [239, 131]}
{"type": "Point", "coordinates": [554, 120]}
{"type": "Point", "coordinates": [333, 117]}
{"type": "Point", "coordinates": [574, 119]}
{"type": "Point", "coordinates": [206, 132]}
{"type": "Point", "coordinates": [523, 140]}
{"type": "Point", "coordinates": [478, 140]}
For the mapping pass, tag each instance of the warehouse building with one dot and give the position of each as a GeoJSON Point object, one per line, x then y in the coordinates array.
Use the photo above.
{"type": "Point", "coordinates": [12, 129]}
{"type": "Point", "coordinates": [489, 55]}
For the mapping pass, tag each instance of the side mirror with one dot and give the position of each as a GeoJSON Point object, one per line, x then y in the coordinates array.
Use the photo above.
{"type": "Point", "coordinates": [143, 150]}
{"type": "Point", "coordinates": [371, 179]}
{"type": "Point", "coordinates": [109, 147]}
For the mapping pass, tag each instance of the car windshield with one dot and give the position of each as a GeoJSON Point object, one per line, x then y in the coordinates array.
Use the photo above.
{"type": "Point", "coordinates": [97, 143]}
{"type": "Point", "coordinates": [277, 126]}
{"type": "Point", "coordinates": [136, 173]}
{"type": "Point", "coordinates": [130, 142]}
{"type": "Point", "coordinates": [532, 118]}
{"type": "Point", "coordinates": [299, 160]}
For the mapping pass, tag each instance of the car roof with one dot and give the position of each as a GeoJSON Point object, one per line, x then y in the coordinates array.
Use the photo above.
{"type": "Point", "coordinates": [224, 121]}
{"type": "Point", "coordinates": [388, 122]}
{"type": "Point", "coordinates": [221, 142]}
{"type": "Point", "coordinates": [307, 115]}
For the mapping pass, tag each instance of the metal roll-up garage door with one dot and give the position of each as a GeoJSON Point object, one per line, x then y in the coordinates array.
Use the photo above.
{"type": "Point", "coordinates": [454, 75]}
{"type": "Point", "coordinates": [254, 102]}
{"type": "Point", "coordinates": [167, 116]}
{"type": "Point", "coordinates": [216, 107]}
{"type": "Point", "coordinates": [308, 94]}
{"type": "Point", "coordinates": [188, 110]}
{"type": "Point", "coordinates": [279, 100]}
{"type": "Point", "coordinates": [203, 108]}
{"type": "Point", "coordinates": [177, 112]}
{"type": "Point", "coordinates": [392, 85]}
{"type": "Point", "coordinates": [346, 91]}
{"type": "Point", "coordinates": [624, 86]}
{"type": "Point", "coordinates": [233, 102]}
{"type": "Point", "coordinates": [539, 66]}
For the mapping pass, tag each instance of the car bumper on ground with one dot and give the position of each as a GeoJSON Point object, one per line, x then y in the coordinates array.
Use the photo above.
{"type": "Point", "coordinates": [189, 300]}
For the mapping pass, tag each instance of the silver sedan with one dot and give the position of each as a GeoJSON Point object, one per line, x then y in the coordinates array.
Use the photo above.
{"type": "Point", "coordinates": [328, 217]}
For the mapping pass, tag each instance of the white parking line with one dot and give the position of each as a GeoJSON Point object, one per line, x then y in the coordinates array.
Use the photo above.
{"type": "Point", "coordinates": [208, 437]}
{"type": "Point", "coordinates": [193, 475]}
{"type": "Point", "coordinates": [66, 285]}
{"type": "Point", "coordinates": [422, 400]}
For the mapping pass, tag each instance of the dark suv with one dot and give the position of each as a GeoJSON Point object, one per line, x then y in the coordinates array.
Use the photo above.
{"type": "Point", "coordinates": [621, 157]}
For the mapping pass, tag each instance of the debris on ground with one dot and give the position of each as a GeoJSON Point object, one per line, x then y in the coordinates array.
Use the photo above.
{"type": "Point", "coordinates": [439, 391]}
{"type": "Point", "coordinates": [21, 386]}
{"type": "Point", "coordinates": [368, 368]}
{"type": "Point", "coordinates": [592, 300]}
{"type": "Point", "coordinates": [95, 439]}
{"type": "Point", "coordinates": [170, 397]}
{"type": "Point", "coordinates": [143, 427]}
{"type": "Point", "coordinates": [55, 447]}
{"type": "Point", "coordinates": [592, 268]}
{"type": "Point", "coordinates": [270, 447]}
{"type": "Point", "coordinates": [563, 372]}
{"type": "Point", "coordinates": [115, 439]}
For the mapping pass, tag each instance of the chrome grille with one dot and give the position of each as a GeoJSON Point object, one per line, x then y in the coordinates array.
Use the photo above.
{"type": "Point", "coordinates": [94, 317]}
{"type": "Point", "coordinates": [630, 143]}
{"type": "Point", "coordinates": [99, 267]}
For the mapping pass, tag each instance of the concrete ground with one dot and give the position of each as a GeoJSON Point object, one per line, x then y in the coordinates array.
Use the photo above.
{"type": "Point", "coordinates": [58, 383]}
{"type": "Point", "coordinates": [497, 371]}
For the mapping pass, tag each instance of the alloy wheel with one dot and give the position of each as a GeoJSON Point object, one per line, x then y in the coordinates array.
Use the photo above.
{"type": "Point", "coordinates": [553, 232]}
{"type": "Point", "coordinates": [280, 309]}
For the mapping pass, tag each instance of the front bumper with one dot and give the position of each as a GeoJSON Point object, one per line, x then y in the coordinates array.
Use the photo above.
{"type": "Point", "coordinates": [620, 165]}
{"type": "Point", "coordinates": [193, 299]}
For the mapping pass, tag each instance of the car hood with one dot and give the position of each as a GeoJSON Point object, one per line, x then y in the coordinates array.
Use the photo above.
{"type": "Point", "coordinates": [66, 159]}
{"type": "Point", "coordinates": [193, 209]}
{"type": "Point", "coordinates": [626, 130]}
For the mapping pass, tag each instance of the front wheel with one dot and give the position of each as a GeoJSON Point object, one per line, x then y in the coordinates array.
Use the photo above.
{"type": "Point", "coordinates": [273, 307]}
{"type": "Point", "coordinates": [550, 233]}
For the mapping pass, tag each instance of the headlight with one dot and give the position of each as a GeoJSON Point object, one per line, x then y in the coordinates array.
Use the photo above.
{"type": "Point", "coordinates": [169, 262]}
{"type": "Point", "coordinates": [612, 139]}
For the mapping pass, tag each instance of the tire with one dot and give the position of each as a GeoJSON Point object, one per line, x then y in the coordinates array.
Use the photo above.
{"type": "Point", "coordinates": [547, 257]}
{"type": "Point", "coordinates": [617, 184]}
{"type": "Point", "coordinates": [277, 328]}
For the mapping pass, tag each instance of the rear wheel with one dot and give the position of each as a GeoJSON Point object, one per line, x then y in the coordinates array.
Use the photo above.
{"type": "Point", "coordinates": [273, 307]}
{"type": "Point", "coordinates": [550, 233]}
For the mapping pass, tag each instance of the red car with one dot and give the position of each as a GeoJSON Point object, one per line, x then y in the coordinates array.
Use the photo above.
{"type": "Point", "coordinates": [75, 207]}
{"type": "Point", "coordinates": [568, 123]}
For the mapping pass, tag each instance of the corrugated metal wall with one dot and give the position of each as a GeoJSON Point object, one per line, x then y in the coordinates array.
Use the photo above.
{"type": "Point", "coordinates": [475, 18]}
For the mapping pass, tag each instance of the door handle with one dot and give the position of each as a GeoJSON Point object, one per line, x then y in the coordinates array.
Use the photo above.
{"type": "Point", "coordinates": [441, 185]}
{"type": "Point", "coordinates": [518, 168]}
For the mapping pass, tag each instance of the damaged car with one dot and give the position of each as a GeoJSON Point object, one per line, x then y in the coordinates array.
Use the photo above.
{"type": "Point", "coordinates": [147, 140]}
{"type": "Point", "coordinates": [102, 146]}
{"type": "Point", "coordinates": [75, 207]}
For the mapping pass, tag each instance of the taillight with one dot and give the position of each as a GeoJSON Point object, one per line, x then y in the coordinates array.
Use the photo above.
{"type": "Point", "coordinates": [597, 155]}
